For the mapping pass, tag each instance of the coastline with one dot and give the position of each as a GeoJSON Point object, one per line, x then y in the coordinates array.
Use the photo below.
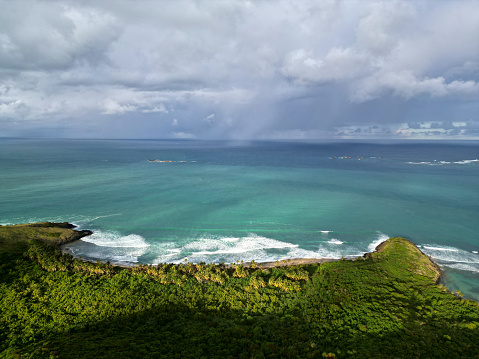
{"type": "Point", "coordinates": [270, 264]}
{"type": "Point", "coordinates": [349, 301]}
{"type": "Point", "coordinates": [273, 264]}
{"type": "Point", "coordinates": [251, 264]}
{"type": "Point", "coordinates": [291, 262]}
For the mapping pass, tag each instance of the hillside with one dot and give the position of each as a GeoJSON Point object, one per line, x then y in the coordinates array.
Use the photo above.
{"type": "Point", "coordinates": [385, 305]}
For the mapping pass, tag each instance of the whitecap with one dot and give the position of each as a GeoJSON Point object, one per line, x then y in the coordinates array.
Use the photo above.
{"type": "Point", "coordinates": [448, 255]}
{"type": "Point", "coordinates": [174, 251]}
{"type": "Point", "coordinates": [381, 237]}
{"type": "Point", "coordinates": [226, 245]}
{"type": "Point", "coordinates": [450, 249]}
{"type": "Point", "coordinates": [442, 163]}
{"type": "Point", "coordinates": [335, 241]}
{"type": "Point", "coordinates": [466, 162]}
{"type": "Point", "coordinates": [418, 163]}
{"type": "Point", "coordinates": [116, 240]}
{"type": "Point", "coordinates": [231, 249]}
{"type": "Point", "coordinates": [230, 239]}
{"type": "Point", "coordinates": [464, 267]}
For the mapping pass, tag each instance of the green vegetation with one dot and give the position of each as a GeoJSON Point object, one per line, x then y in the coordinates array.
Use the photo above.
{"type": "Point", "coordinates": [16, 237]}
{"type": "Point", "coordinates": [384, 306]}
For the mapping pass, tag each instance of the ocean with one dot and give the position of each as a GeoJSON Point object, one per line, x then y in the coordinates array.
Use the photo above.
{"type": "Point", "coordinates": [153, 201]}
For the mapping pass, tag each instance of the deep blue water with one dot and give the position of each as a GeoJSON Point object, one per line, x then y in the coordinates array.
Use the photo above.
{"type": "Point", "coordinates": [228, 201]}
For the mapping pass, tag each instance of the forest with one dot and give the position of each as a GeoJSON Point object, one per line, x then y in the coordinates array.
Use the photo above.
{"type": "Point", "coordinates": [387, 304]}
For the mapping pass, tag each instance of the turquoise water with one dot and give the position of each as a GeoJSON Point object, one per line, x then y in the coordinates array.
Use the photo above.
{"type": "Point", "coordinates": [229, 201]}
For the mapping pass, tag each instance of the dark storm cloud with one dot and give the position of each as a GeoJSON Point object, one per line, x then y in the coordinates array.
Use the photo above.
{"type": "Point", "coordinates": [234, 69]}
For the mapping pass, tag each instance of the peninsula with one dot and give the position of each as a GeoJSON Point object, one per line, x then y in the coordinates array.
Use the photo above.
{"type": "Point", "coordinates": [387, 304]}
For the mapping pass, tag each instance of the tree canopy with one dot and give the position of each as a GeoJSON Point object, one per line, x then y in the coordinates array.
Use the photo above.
{"type": "Point", "coordinates": [384, 305]}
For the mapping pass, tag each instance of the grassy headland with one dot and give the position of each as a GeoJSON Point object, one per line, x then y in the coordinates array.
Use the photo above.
{"type": "Point", "coordinates": [18, 236]}
{"type": "Point", "coordinates": [386, 305]}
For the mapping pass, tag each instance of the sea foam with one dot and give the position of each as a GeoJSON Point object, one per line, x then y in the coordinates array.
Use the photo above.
{"type": "Point", "coordinates": [381, 237]}
{"type": "Point", "coordinates": [110, 246]}
{"type": "Point", "coordinates": [450, 254]}
{"type": "Point", "coordinates": [214, 249]}
{"type": "Point", "coordinates": [451, 257]}
{"type": "Point", "coordinates": [255, 247]}
{"type": "Point", "coordinates": [464, 267]}
{"type": "Point", "coordinates": [223, 249]}
{"type": "Point", "coordinates": [442, 163]}
{"type": "Point", "coordinates": [335, 241]}
{"type": "Point", "coordinates": [115, 239]}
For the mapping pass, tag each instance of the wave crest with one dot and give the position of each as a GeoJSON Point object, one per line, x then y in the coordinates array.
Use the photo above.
{"type": "Point", "coordinates": [443, 163]}
{"type": "Point", "coordinates": [116, 240]}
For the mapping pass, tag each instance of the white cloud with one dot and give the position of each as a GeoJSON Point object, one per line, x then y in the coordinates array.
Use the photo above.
{"type": "Point", "coordinates": [258, 67]}
{"type": "Point", "coordinates": [160, 108]}
{"type": "Point", "coordinates": [407, 85]}
{"type": "Point", "coordinates": [51, 35]}
{"type": "Point", "coordinates": [384, 25]}
{"type": "Point", "coordinates": [111, 107]}
{"type": "Point", "coordinates": [338, 64]}
{"type": "Point", "coordinates": [11, 109]}
{"type": "Point", "coordinates": [183, 135]}
{"type": "Point", "coordinates": [210, 118]}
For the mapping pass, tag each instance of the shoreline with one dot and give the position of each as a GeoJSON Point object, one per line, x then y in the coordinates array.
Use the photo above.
{"type": "Point", "coordinates": [388, 291]}
{"type": "Point", "coordinates": [290, 262]}
{"type": "Point", "coordinates": [65, 234]}
{"type": "Point", "coordinates": [265, 265]}
{"type": "Point", "coordinates": [63, 247]}
{"type": "Point", "coordinates": [270, 264]}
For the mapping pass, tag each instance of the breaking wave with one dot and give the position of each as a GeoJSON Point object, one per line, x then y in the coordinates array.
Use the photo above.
{"type": "Point", "coordinates": [442, 163]}
{"type": "Point", "coordinates": [123, 249]}
{"type": "Point", "coordinates": [228, 250]}
{"type": "Point", "coordinates": [110, 246]}
{"type": "Point", "coordinates": [335, 241]}
{"type": "Point", "coordinates": [115, 239]}
{"type": "Point", "coordinates": [381, 237]}
{"type": "Point", "coordinates": [258, 248]}
{"type": "Point", "coordinates": [451, 257]}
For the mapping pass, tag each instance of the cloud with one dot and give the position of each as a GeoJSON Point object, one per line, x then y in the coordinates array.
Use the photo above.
{"type": "Point", "coordinates": [11, 109]}
{"type": "Point", "coordinates": [406, 85]}
{"type": "Point", "coordinates": [210, 118]}
{"type": "Point", "coordinates": [111, 107]}
{"type": "Point", "coordinates": [258, 68]}
{"type": "Point", "coordinates": [183, 135]}
{"type": "Point", "coordinates": [392, 55]}
{"type": "Point", "coordinates": [160, 108]}
{"type": "Point", "coordinates": [383, 26]}
{"type": "Point", "coordinates": [337, 65]}
{"type": "Point", "coordinates": [36, 35]}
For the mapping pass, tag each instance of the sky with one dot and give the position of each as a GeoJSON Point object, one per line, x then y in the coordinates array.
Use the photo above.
{"type": "Point", "coordinates": [263, 69]}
